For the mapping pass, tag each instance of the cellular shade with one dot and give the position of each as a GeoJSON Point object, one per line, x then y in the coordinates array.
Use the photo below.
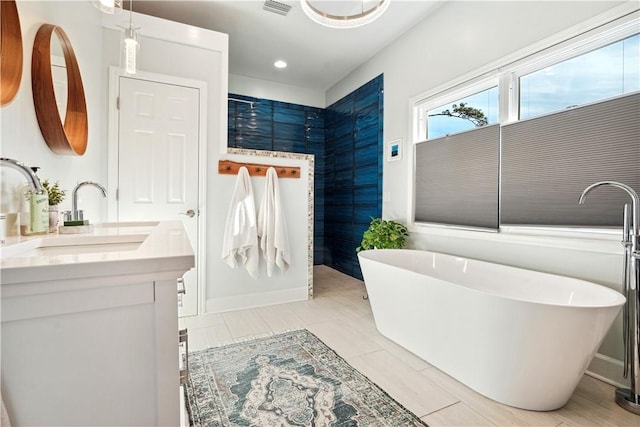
{"type": "Point", "coordinates": [456, 179]}
{"type": "Point", "coordinates": [548, 161]}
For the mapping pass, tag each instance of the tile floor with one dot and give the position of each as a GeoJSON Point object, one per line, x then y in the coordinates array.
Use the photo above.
{"type": "Point", "coordinates": [340, 317]}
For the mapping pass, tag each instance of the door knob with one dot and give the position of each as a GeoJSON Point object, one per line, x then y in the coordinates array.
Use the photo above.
{"type": "Point", "coordinates": [190, 213]}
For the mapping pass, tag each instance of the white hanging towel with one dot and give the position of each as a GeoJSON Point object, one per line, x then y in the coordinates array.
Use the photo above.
{"type": "Point", "coordinates": [272, 229]}
{"type": "Point", "coordinates": [240, 232]}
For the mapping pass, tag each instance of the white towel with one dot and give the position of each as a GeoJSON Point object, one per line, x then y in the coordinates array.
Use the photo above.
{"type": "Point", "coordinates": [240, 233]}
{"type": "Point", "coordinates": [272, 229]}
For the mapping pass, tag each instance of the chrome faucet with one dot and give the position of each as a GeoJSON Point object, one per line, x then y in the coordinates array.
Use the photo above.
{"type": "Point", "coordinates": [629, 398]}
{"type": "Point", "coordinates": [630, 224]}
{"type": "Point", "coordinates": [32, 178]}
{"type": "Point", "coordinates": [74, 196]}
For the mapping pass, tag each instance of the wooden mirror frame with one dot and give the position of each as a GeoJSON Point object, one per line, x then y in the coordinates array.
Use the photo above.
{"type": "Point", "coordinates": [70, 138]}
{"type": "Point", "coordinates": [11, 48]}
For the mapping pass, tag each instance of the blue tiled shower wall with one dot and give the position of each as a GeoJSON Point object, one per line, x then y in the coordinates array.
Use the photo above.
{"type": "Point", "coordinates": [353, 188]}
{"type": "Point", "coordinates": [346, 139]}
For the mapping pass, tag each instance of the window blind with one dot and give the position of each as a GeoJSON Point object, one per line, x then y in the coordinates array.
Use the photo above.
{"type": "Point", "coordinates": [548, 161]}
{"type": "Point", "coordinates": [456, 179]}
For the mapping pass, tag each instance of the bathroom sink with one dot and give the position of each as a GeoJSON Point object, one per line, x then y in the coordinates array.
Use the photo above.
{"type": "Point", "coordinates": [110, 250]}
{"type": "Point", "coordinates": [127, 224]}
{"type": "Point", "coordinates": [80, 249]}
{"type": "Point", "coordinates": [73, 245]}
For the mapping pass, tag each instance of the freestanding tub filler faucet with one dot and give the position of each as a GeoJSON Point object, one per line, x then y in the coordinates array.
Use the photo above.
{"type": "Point", "coordinates": [629, 399]}
{"type": "Point", "coordinates": [74, 196]}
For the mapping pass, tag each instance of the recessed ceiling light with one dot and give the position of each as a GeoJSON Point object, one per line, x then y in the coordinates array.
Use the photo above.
{"type": "Point", "coordinates": [280, 64]}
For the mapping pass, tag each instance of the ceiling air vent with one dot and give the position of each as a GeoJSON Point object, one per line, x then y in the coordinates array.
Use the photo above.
{"type": "Point", "coordinates": [276, 7]}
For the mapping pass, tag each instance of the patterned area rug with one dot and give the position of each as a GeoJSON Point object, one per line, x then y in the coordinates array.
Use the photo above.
{"type": "Point", "coordinates": [289, 379]}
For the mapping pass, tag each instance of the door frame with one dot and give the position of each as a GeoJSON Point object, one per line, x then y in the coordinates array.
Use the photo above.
{"type": "Point", "coordinates": [113, 124]}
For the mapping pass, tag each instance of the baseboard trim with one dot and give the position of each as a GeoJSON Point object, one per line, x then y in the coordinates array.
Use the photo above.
{"type": "Point", "coordinates": [243, 302]}
{"type": "Point", "coordinates": [607, 369]}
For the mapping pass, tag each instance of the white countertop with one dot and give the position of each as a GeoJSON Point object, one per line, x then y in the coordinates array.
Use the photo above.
{"type": "Point", "coordinates": [108, 250]}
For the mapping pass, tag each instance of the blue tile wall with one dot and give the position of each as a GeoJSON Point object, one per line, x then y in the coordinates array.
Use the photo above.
{"type": "Point", "coordinates": [346, 139]}
{"type": "Point", "coordinates": [353, 188]}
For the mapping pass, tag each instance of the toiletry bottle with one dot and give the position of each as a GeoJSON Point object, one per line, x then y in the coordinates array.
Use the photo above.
{"type": "Point", "coordinates": [3, 228]}
{"type": "Point", "coordinates": [38, 210]}
{"type": "Point", "coordinates": [24, 217]}
{"type": "Point", "coordinates": [39, 216]}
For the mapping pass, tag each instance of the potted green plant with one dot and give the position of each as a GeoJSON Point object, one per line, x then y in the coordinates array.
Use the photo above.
{"type": "Point", "coordinates": [383, 234]}
{"type": "Point", "coordinates": [56, 196]}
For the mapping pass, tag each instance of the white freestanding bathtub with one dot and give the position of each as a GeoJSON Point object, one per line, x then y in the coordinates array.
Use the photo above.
{"type": "Point", "coordinates": [520, 337]}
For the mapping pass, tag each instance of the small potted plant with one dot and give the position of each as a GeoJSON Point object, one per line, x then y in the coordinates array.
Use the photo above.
{"type": "Point", "coordinates": [383, 234]}
{"type": "Point", "coordinates": [56, 196]}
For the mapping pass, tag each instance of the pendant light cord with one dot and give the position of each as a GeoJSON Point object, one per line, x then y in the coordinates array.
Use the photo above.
{"type": "Point", "coordinates": [130, 14]}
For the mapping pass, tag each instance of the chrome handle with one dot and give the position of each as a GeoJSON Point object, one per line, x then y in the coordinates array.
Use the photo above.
{"type": "Point", "coordinates": [182, 290]}
{"type": "Point", "coordinates": [626, 226]}
{"type": "Point", "coordinates": [190, 213]}
{"type": "Point", "coordinates": [183, 338]}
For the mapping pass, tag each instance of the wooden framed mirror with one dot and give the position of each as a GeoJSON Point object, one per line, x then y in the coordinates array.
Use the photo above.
{"type": "Point", "coordinates": [10, 51]}
{"type": "Point", "coordinates": [66, 136]}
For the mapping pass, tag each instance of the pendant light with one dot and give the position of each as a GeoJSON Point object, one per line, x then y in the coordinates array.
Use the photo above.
{"type": "Point", "coordinates": [344, 13]}
{"type": "Point", "coordinates": [130, 45]}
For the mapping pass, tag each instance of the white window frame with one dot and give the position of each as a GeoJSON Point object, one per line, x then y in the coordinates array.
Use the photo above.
{"type": "Point", "coordinates": [506, 73]}
{"type": "Point", "coordinates": [602, 30]}
{"type": "Point", "coordinates": [456, 94]}
{"type": "Point", "coordinates": [565, 51]}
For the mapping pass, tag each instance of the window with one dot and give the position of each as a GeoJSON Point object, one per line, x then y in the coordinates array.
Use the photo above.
{"type": "Point", "coordinates": [477, 110]}
{"type": "Point", "coordinates": [457, 182]}
{"type": "Point", "coordinates": [602, 73]}
{"type": "Point", "coordinates": [544, 151]}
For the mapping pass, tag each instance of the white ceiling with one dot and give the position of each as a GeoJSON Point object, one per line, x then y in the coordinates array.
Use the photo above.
{"type": "Point", "coordinates": [318, 56]}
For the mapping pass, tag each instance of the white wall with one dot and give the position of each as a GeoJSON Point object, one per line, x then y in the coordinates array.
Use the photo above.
{"type": "Point", "coordinates": [457, 39]}
{"type": "Point", "coordinates": [233, 289]}
{"type": "Point", "coordinates": [20, 135]}
{"type": "Point", "coordinates": [275, 91]}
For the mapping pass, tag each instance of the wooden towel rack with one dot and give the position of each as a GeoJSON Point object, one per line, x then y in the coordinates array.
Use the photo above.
{"type": "Point", "coordinates": [227, 167]}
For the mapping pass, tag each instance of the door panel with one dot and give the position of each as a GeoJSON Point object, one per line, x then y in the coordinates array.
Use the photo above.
{"type": "Point", "coordinates": [158, 161]}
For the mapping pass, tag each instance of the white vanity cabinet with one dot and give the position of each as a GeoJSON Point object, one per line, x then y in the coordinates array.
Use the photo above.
{"type": "Point", "coordinates": [90, 334]}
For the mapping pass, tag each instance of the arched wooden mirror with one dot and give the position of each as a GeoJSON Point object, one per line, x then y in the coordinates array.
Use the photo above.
{"type": "Point", "coordinates": [68, 135]}
{"type": "Point", "coordinates": [10, 51]}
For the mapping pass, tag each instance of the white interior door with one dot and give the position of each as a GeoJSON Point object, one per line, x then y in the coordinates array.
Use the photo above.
{"type": "Point", "coordinates": [158, 142]}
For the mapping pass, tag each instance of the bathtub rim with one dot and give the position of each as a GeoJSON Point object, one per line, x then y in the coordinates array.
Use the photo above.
{"type": "Point", "coordinates": [619, 298]}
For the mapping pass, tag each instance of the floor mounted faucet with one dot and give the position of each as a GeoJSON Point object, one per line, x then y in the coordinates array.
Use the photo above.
{"type": "Point", "coordinates": [74, 196]}
{"type": "Point", "coordinates": [629, 399]}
